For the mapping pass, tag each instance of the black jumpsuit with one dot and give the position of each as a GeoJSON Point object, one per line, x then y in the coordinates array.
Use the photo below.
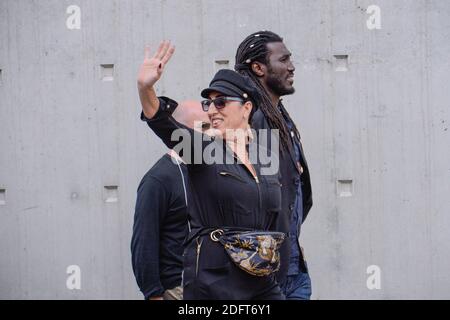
{"type": "Point", "coordinates": [220, 195]}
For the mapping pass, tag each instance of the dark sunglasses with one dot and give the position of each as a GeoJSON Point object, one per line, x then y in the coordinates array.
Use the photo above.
{"type": "Point", "coordinates": [219, 102]}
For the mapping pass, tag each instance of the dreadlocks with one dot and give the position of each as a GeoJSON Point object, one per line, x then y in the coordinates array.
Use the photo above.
{"type": "Point", "coordinates": [254, 48]}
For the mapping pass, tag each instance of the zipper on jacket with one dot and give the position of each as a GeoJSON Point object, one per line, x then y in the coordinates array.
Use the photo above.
{"type": "Point", "coordinates": [199, 245]}
{"type": "Point", "coordinates": [255, 177]}
{"type": "Point", "coordinates": [259, 199]}
{"type": "Point", "coordinates": [276, 183]}
{"type": "Point", "coordinates": [229, 174]}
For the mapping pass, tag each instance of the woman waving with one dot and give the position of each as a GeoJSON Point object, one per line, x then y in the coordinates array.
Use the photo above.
{"type": "Point", "coordinates": [232, 249]}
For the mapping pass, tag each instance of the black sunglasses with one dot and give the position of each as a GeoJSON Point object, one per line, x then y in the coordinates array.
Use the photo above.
{"type": "Point", "coordinates": [219, 102]}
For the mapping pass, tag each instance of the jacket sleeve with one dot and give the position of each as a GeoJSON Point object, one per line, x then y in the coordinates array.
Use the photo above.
{"type": "Point", "coordinates": [151, 205]}
{"type": "Point", "coordinates": [188, 143]}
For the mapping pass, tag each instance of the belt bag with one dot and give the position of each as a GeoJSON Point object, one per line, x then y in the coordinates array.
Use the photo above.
{"type": "Point", "coordinates": [255, 252]}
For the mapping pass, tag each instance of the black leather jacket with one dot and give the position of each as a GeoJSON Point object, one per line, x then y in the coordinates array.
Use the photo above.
{"type": "Point", "coordinates": [224, 194]}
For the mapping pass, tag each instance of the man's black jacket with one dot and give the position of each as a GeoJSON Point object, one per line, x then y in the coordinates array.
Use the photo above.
{"type": "Point", "coordinates": [290, 177]}
{"type": "Point", "coordinates": [160, 228]}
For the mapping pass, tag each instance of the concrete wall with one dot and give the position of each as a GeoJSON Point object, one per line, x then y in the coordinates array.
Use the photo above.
{"type": "Point", "coordinates": [376, 136]}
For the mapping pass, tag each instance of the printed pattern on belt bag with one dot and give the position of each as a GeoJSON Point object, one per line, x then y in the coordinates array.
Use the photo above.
{"type": "Point", "coordinates": [256, 252]}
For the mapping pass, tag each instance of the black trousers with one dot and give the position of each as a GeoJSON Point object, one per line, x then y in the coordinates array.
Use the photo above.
{"type": "Point", "coordinates": [211, 275]}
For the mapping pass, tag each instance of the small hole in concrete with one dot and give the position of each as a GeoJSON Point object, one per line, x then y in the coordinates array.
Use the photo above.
{"type": "Point", "coordinates": [107, 72]}
{"type": "Point", "coordinates": [111, 194]}
{"type": "Point", "coordinates": [341, 62]}
{"type": "Point", "coordinates": [2, 197]}
{"type": "Point", "coordinates": [222, 64]}
{"type": "Point", "coordinates": [345, 188]}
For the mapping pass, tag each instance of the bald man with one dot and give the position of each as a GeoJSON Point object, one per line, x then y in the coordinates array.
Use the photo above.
{"type": "Point", "coordinates": [160, 219]}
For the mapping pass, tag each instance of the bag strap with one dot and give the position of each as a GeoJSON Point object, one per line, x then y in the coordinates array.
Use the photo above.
{"type": "Point", "coordinates": [184, 189]}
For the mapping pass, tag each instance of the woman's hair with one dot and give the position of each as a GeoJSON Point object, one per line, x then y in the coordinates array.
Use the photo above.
{"type": "Point", "coordinates": [254, 48]}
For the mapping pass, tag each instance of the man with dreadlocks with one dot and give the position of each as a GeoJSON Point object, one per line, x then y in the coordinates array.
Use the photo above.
{"type": "Point", "coordinates": [264, 58]}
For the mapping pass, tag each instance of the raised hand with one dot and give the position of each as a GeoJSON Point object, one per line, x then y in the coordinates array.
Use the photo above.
{"type": "Point", "coordinates": [153, 66]}
{"type": "Point", "coordinates": [149, 73]}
